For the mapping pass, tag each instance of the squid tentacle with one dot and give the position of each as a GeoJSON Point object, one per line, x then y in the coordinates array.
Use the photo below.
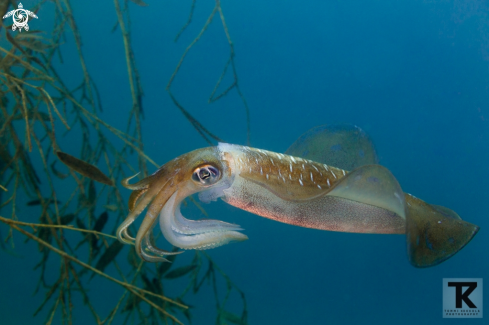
{"type": "Point", "coordinates": [150, 245]}
{"type": "Point", "coordinates": [143, 202]}
{"type": "Point", "coordinates": [184, 226]}
{"type": "Point", "coordinates": [200, 240]}
{"type": "Point", "coordinates": [189, 234]}
{"type": "Point", "coordinates": [136, 186]}
{"type": "Point", "coordinates": [135, 197]}
{"type": "Point", "coordinates": [157, 253]}
{"type": "Point", "coordinates": [144, 241]}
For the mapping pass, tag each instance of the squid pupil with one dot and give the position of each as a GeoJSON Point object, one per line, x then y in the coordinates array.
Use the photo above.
{"type": "Point", "coordinates": [204, 174]}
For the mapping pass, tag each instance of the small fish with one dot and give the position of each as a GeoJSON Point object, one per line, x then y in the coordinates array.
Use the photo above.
{"type": "Point", "coordinates": [133, 260]}
{"type": "Point", "coordinates": [158, 288]}
{"type": "Point", "coordinates": [99, 226]}
{"type": "Point", "coordinates": [39, 115]}
{"type": "Point", "coordinates": [109, 255]}
{"type": "Point", "coordinates": [92, 192]}
{"type": "Point", "coordinates": [185, 311]}
{"type": "Point", "coordinates": [166, 266]}
{"type": "Point", "coordinates": [111, 207]}
{"type": "Point", "coordinates": [80, 224]}
{"type": "Point", "coordinates": [148, 285]}
{"type": "Point", "coordinates": [44, 233]}
{"type": "Point", "coordinates": [233, 318]}
{"type": "Point", "coordinates": [181, 271]}
{"type": "Point", "coordinates": [140, 3]}
{"type": "Point", "coordinates": [131, 302]}
{"type": "Point", "coordinates": [84, 168]}
{"type": "Point", "coordinates": [38, 202]}
{"type": "Point", "coordinates": [91, 238]}
{"type": "Point", "coordinates": [64, 220]}
{"type": "Point", "coordinates": [101, 221]}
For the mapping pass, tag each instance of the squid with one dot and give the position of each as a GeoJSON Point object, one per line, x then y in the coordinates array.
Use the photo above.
{"type": "Point", "coordinates": [288, 189]}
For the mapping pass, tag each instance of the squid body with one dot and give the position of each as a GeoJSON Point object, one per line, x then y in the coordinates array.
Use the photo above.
{"type": "Point", "coordinates": [287, 189]}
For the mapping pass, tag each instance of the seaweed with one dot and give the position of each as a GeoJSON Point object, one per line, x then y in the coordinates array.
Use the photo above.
{"type": "Point", "coordinates": [38, 112]}
{"type": "Point", "coordinates": [204, 132]}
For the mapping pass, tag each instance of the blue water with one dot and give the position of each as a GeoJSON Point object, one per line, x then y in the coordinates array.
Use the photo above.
{"type": "Point", "coordinates": [413, 74]}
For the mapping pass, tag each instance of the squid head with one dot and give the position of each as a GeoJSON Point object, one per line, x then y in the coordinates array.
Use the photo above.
{"type": "Point", "coordinates": [204, 170]}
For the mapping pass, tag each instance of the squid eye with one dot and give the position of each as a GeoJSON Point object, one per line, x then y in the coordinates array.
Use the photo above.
{"type": "Point", "coordinates": [206, 175]}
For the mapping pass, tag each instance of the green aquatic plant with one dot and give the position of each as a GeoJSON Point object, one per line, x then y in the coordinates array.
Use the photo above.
{"type": "Point", "coordinates": [38, 113]}
{"type": "Point", "coordinates": [206, 134]}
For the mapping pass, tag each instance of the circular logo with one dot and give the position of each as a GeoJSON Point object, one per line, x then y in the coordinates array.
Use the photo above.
{"type": "Point", "coordinates": [20, 17]}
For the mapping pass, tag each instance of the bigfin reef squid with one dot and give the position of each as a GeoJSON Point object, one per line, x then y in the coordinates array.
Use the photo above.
{"type": "Point", "coordinates": [291, 189]}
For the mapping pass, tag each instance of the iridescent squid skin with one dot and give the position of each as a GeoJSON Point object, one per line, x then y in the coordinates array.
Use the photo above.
{"type": "Point", "coordinates": [287, 189]}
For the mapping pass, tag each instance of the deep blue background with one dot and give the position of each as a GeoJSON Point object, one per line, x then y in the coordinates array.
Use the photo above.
{"type": "Point", "coordinates": [413, 74]}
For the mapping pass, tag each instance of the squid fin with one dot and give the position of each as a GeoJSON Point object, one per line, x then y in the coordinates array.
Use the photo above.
{"type": "Point", "coordinates": [449, 213]}
{"type": "Point", "coordinates": [374, 185]}
{"type": "Point", "coordinates": [432, 234]}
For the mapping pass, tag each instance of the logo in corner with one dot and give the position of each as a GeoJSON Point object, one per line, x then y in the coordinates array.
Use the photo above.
{"type": "Point", "coordinates": [20, 17]}
{"type": "Point", "coordinates": [462, 298]}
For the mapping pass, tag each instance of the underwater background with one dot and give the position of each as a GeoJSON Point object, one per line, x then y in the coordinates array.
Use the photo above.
{"type": "Point", "coordinates": [414, 75]}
